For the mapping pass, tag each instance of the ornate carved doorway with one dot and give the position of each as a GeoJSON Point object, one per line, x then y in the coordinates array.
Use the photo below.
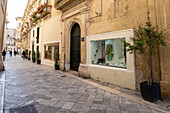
{"type": "Point", "coordinates": [75, 47]}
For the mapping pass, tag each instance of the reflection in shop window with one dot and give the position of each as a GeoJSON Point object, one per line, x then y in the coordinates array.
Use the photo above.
{"type": "Point", "coordinates": [48, 50]}
{"type": "Point", "coordinates": [109, 52]}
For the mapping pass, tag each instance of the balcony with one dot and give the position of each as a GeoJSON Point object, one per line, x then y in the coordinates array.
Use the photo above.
{"type": "Point", "coordinates": [41, 12]}
{"type": "Point", "coordinates": [60, 4]}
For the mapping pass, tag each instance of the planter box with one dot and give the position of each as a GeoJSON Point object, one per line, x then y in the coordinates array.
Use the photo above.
{"type": "Point", "coordinates": [38, 61]}
{"type": "Point", "coordinates": [57, 67]}
{"type": "Point", "coordinates": [150, 93]}
{"type": "Point", "coordinates": [33, 60]}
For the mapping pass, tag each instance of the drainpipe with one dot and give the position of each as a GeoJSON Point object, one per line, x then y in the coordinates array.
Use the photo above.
{"type": "Point", "coordinates": [64, 62]}
{"type": "Point", "coordinates": [101, 12]}
{"type": "Point", "coordinates": [101, 8]}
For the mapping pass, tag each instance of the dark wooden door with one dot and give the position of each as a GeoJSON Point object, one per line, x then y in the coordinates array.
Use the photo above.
{"type": "Point", "coordinates": [75, 47]}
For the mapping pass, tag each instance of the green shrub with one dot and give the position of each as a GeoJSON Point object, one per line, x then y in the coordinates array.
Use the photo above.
{"type": "Point", "coordinates": [57, 58]}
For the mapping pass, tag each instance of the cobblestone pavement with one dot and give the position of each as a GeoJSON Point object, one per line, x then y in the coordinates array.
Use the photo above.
{"type": "Point", "coordinates": [29, 83]}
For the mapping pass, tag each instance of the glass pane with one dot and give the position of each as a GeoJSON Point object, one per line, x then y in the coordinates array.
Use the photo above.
{"type": "Point", "coordinates": [56, 49]}
{"type": "Point", "coordinates": [48, 52]}
{"type": "Point", "coordinates": [108, 52]}
{"type": "Point", "coordinates": [40, 3]}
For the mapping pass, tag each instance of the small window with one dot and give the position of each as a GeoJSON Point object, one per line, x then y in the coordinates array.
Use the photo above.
{"type": "Point", "coordinates": [109, 52]}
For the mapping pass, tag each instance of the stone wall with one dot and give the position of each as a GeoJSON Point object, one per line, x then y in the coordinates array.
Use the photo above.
{"type": "Point", "coordinates": [126, 14]}
{"type": "Point", "coordinates": [2, 25]}
{"type": "Point", "coordinates": [102, 16]}
{"type": "Point", "coordinates": [163, 19]}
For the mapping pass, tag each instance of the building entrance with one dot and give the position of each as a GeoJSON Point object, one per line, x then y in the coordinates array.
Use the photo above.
{"type": "Point", "coordinates": [75, 47]}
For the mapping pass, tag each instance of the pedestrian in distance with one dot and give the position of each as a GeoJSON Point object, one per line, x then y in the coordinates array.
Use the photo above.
{"type": "Point", "coordinates": [10, 53]}
{"type": "Point", "coordinates": [4, 54]}
{"type": "Point", "coordinates": [15, 53]}
{"type": "Point", "coordinates": [23, 54]}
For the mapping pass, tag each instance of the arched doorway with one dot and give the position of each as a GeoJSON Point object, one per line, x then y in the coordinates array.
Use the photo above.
{"type": "Point", "coordinates": [75, 47]}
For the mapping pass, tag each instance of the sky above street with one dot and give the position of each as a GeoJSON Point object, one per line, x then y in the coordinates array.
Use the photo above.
{"type": "Point", "coordinates": [15, 8]}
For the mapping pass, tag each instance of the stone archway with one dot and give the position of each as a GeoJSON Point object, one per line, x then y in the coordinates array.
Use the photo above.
{"type": "Point", "coordinates": [75, 47]}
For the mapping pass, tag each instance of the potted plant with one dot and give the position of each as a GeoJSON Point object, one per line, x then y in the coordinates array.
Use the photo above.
{"type": "Point", "coordinates": [56, 65]}
{"type": "Point", "coordinates": [147, 40]}
{"type": "Point", "coordinates": [38, 58]}
{"type": "Point", "coordinates": [57, 1]}
{"type": "Point", "coordinates": [33, 56]}
{"type": "Point", "coordinates": [29, 55]}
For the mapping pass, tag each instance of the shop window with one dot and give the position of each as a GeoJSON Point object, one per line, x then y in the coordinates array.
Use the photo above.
{"type": "Point", "coordinates": [108, 52]}
{"type": "Point", "coordinates": [56, 49]}
{"type": "Point", "coordinates": [50, 51]}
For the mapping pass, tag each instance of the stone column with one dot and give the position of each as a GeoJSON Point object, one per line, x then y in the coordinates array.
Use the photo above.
{"type": "Point", "coordinates": [62, 65]}
{"type": "Point", "coordinates": [83, 69]}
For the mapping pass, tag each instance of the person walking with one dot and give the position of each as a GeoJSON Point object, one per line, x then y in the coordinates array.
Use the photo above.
{"type": "Point", "coordinates": [23, 53]}
{"type": "Point", "coordinates": [10, 53]}
{"type": "Point", "coordinates": [4, 54]}
{"type": "Point", "coordinates": [15, 53]}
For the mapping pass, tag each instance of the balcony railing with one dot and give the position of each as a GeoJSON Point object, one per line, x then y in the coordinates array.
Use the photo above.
{"type": "Point", "coordinates": [41, 12]}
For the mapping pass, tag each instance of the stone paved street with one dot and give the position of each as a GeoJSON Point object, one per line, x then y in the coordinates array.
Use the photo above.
{"type": "Point", "coordinates": [29, 83]}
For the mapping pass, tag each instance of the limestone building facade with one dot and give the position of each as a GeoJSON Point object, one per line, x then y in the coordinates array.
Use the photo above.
{"type": "Point", "coordinates": [9, 39]}
{"type": "Point", "coordinates": [18, 35]}
{"type": "Point", "coordinates": [41, 30]}
{"type": "Point", "coordinates": [3, 6]}
{"type": "Point", "coordinates": [90, 35]}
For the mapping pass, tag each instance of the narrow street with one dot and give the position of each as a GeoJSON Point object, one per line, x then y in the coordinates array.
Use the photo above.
{"type": "Point", "coordinates": [28, 83]}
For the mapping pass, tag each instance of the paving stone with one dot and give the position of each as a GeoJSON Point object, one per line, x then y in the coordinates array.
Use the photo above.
{"type": "Point", "coordinates": [62, 101]}
{"type": "Point", "coordinates": [41, 107]}
{"type": "Point", "coordinates": [68, 105]}
{"type": "Point", "coordinates": [97, 111]}
{"type": "Point", "coordinates": [77, 107]}
{"type": "Point", "coordinates": [85, 109]}
{"type": "Point", "coordinates": [88, 103]}
{"type": "Point", "coordinates": [106, 101]}
{"type": "Point", "coordinates": [97, 102]}
{"type": "Point", "coordinates": [51, 110]}
{"type": "Point", "coordinates": [63, 111]}
{"type": "Point", "coordinates": [40, 85]}
{"type": "Point", "coordinates": [98, 106]}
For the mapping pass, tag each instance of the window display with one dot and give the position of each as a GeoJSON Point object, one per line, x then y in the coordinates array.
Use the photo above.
{"type": "Point", "coordinates": [109, 52]}
{"type": "Point", "coordinates": [50, 51]}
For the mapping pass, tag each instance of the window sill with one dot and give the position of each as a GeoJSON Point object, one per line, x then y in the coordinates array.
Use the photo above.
{"type": "Point", "coordinates": [108, 66]}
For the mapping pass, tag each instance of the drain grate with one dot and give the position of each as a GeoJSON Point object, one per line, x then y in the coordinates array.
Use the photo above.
{"type": "Point", "coordinates": [24, 109]}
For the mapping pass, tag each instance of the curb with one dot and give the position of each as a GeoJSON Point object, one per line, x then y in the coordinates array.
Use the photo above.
{"type": "Point", "coordinates": [130, 97]}
{"type": "Point", "coordinates": [2, 80]}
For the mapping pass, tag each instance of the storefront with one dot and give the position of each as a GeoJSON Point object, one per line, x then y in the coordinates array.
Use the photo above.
{"type": "Point", "coordinates": [107, 59]}
{"type": "Point", "coordinates": [50, 50]}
